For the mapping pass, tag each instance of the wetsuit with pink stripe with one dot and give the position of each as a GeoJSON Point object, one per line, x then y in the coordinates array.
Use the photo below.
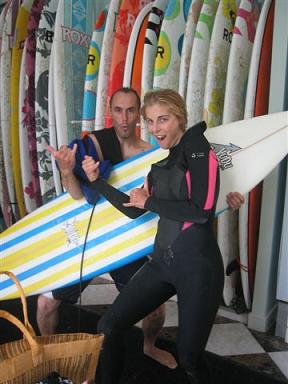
{"type": "Point", "coordinates": [186, 260]}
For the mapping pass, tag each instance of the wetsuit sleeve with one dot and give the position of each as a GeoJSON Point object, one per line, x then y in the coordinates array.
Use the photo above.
{"type": "Point", "coordinates": [116, 198]}
{"type": "Point", "coordinates": [202, 186]}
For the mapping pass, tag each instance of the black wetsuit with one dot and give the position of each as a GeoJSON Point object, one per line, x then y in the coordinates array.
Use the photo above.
{"type": "Point", "coordinates": [111, 150]}
{"type": "Point", "coordinates": [186, 259]}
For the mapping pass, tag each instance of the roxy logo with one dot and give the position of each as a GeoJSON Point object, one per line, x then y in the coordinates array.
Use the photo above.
{"type": "Point", "coordinates": [71, 232]}
{"type": "Point", "coordinates": [223, 153]}
{"type": "Point", "coordinates": [75, 37]}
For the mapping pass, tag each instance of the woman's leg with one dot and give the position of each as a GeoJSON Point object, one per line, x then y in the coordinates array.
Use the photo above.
{"type": "Point", "coordinates": [199, 289]}
{"type": "Point", "coordinates": [145, 292]}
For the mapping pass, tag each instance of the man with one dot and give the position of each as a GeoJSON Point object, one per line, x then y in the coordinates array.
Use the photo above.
{"type": "Point", "coordinates": [115, 144]}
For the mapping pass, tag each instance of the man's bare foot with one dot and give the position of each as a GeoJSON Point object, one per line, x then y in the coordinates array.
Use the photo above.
{"type": "Point", "coordinates": [163, 357]}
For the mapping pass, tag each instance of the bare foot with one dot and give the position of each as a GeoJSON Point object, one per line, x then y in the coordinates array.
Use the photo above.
{"type": "Point", "coordinates": [163, 357]}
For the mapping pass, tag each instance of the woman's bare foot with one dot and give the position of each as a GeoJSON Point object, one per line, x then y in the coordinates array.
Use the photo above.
{"type": "Point", "coordinates": [163, 357]}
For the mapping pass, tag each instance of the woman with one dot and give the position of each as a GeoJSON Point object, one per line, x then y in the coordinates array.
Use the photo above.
{"type": "Point", "coordinates": [186, 260]}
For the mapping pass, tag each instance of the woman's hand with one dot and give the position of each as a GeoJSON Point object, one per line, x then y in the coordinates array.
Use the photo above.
{"type": "Point", "coordinates": [65, 158]}
{"type": "Point", "coordinates": [91, 168]}
{"type": "Point", "coordinates": [138, 196]}
{"type": "Point", "coordinates": [235, 200]}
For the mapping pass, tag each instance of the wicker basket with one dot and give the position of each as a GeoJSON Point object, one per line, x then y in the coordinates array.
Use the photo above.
{"type": "Point", "coordinates": [31, 359]}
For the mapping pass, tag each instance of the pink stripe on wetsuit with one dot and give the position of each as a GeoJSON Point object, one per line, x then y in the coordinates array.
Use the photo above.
{"type": "Point", "coordinates": [213, 166]}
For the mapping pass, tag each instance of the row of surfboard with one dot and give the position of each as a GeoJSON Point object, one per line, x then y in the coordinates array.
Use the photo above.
{"type": "Point", "coordinates": [69, 56]}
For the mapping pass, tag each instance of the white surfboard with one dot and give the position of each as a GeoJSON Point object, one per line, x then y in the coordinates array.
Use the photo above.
{"type": "Point", "coordinates": [234, 102]}
{"type": "Point", "coordinates": [190, 28]}
{"type": "Point", "coordinates": [198, 63]}
{"type": "Point", "coordinates": [44, 248]}
{"type": "Point", "coordinates": [44, 39]}
{"type": "Point", "coordinates": [58, 68]}
{"type": "Point", "coordinates": [239, 59]}
{"type": "Point", "coordinates": [218, 57]}
{"type": "Point", "coordinates": [105, 64]}
{"type": "Point", "coordinates": [167, 61]}
{"type": "Point", "coordinates": [52, 124]}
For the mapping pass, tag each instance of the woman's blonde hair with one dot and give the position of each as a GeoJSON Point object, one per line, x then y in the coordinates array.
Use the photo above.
{"type": "Point", "coordinates": [168, 97]}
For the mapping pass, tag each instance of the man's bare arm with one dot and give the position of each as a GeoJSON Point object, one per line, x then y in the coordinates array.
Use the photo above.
{"type": "Point", "coordinates": [65, 158]}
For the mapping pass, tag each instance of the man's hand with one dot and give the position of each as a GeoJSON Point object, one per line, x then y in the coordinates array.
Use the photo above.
{"type": "Point", "coordinates": [66, 161]}
{"type": "Point", "coordinates": [235, 200]}
{"type": "Point", "coordinates": [65, 158]}
{"type": "Point", "coordinates": [138, 196]}
{"type": "Point", "coordinates": [91, 168]}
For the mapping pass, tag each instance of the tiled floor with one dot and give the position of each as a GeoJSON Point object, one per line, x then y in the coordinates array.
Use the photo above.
{"type": "Point", "coordinates": [229, 337]}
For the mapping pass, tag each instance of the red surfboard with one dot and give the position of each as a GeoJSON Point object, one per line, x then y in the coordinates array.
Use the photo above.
{"type": "Point", "coordinates": [261, 108]}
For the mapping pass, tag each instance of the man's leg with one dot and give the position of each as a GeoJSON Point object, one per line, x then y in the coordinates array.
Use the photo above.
{"type": "Point", "coordinates": [48, 305]}
{"type": "Point", "coordinates": [47, 314]}
{"type": "Point", "coordinates": [152, 325]}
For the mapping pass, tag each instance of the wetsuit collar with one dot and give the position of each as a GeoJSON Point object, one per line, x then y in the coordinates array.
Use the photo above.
{"type": "Point", "coordinates": [190, 133]}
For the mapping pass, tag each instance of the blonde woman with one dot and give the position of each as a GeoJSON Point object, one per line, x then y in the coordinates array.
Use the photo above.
{"type": "Point", "coordinates": [182, 189]}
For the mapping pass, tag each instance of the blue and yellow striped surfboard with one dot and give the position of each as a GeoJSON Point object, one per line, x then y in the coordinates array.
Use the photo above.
{"type": "Point", "coordinates": [44, 248]}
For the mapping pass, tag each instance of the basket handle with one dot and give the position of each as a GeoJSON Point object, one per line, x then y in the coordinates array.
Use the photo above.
{"type": "Point", "coordinates": [36, 350]}
{"type": "Point", "coordinates": [23, 300]}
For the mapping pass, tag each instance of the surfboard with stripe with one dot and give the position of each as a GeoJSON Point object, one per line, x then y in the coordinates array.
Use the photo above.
{"type": "Point", "coordinates": [44, 248]}
{"type": "Point", "coordinates": [133, 64]}
{"type": "Point", "coordinates": [92, 72]}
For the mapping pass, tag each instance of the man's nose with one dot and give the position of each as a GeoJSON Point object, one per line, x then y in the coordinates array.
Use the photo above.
{"type": "Point", "coordinates": [124, 115]}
